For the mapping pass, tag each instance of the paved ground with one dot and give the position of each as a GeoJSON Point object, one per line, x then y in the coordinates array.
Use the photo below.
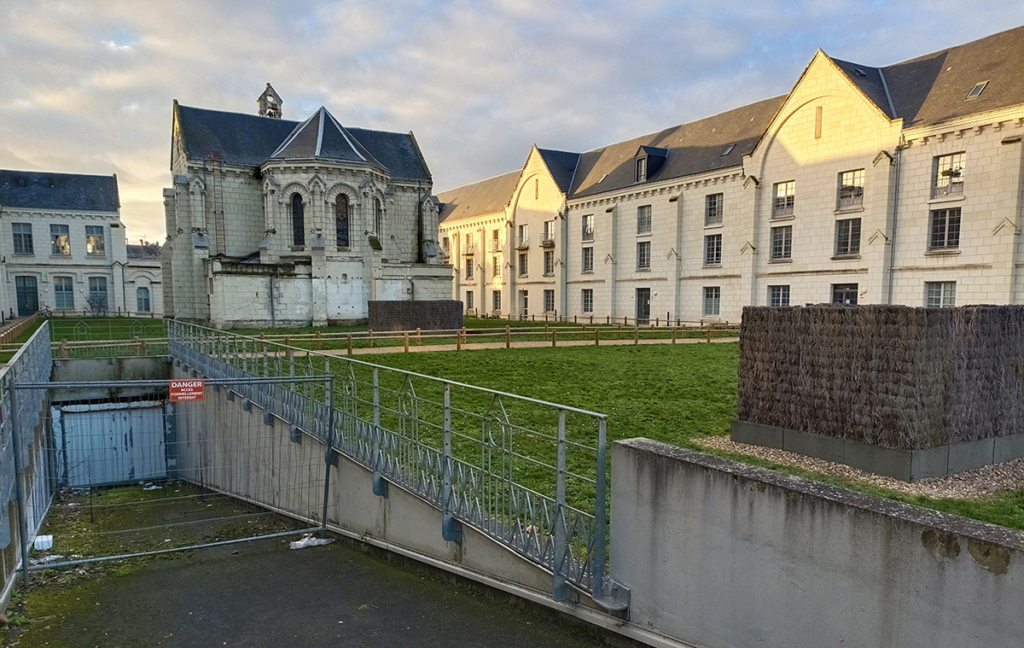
{"type": "Point", "coordinates": [264, 594]}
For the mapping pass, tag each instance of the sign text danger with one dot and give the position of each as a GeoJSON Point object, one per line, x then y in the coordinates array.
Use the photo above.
{"type": "Point", "coordinates": [187, 390]}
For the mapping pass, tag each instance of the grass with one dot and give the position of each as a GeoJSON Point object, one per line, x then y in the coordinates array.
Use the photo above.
{"type": "Point", "coordinates": [104, 328]}
{"type": "Point", "coordinates": [672, 394]}
{"type": "Point", "coordinates": [478, 330]}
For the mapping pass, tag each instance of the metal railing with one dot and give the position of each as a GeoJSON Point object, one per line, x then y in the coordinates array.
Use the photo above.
{"type": "Point", "coordinates": [529, 474]}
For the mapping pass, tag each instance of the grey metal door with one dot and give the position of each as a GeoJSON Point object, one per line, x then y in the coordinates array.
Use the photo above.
{"type": "Point", "coordinates": [110, 443]}
{"type": "Point", "coordinates": [28, 295]}
{"type": "Point", "coordinates": [643, 305]}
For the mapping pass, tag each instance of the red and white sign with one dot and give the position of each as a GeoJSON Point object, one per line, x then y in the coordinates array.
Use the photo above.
{"type": "Point", "coordinates": [188, 390]}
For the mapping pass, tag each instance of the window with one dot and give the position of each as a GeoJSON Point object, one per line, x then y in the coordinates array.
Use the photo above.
{"type": "Point", "coordinates": [712, 300]}
{"type": "Point", "coordinates": [977, 90]}
{"type": "Point", "coordinates": [524, 264]}
{"type": "Point", "coordinates": [587, 298]}
{"type": "Point", "coordinates": [142, 299]}
{"type": "Point", "coordinates": [549, 230]}
{"type": "Point", "coordinates": [378, 217]}
{"type": "Point", "coordinates": [782, 243]}
{"type": "Point", "coordinates": [524, 302]}
{"type": "Point", "coordinates": [60, 240]}
{"type": "Point", "coordinates": [778, 295]}
{"type": "Point", "coordinates": [643, 255]}
{"type": "Point", "coordinates": [945, 229]}
{"type": "Point", "coordinates": [496, 267]}
{"type": "Point", "coordinates": [641, 169]}
{"type": "Point", "coordinates": [63, 293]}
{"type": "Point", "coordinates": [588, 227]}
{"type": "Point", "coordinates": [94, 240]}
{"type": "Point", "coordinates": [948, 175]}
{"type": "Point", "coordinates": [940, 294]}
{"type": "Point", "coordinates": [848, 237]}
{"type": "Point", "coordinates": [713, 249]}
{"type": "Point", "coordinates": [496, 300]}
{"type": "Point", "coordinates": [549, 301]}
{"type": "Point", "coordinates": [496, 240]}
{"type": "Point", "coordinates": [98, 293]}
{"type": "Point", "coordinates": [713, 209]}
{"type": "Point", "coordinates": [785, 199]}
{"type": "Point", "coordinates": [341, 223]}
{"type": "Point", "coordinates": [588, 259]}
{"type": "Point", "coordinates": [469, 300]}
{"type": "Point", "coordinates": [844, 293]}
{"type": "Point", "coordinates": [643, 219]}
{"type": "Point", "coordinates": [446, 245]}
{"type": "Point", "coordinates": [524, 236]}
{"type": "Point", "coordinates": [469, 268]}
{"type": "Point", "coordinates": [22, 236]}
{"type": "Point", "coordinates": [851, 189]}
{"type": "Point", "coordinates": [549, 263]}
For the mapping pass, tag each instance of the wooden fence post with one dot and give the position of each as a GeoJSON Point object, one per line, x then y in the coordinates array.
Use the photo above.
{"type": "Point", "coordinates": [319, 343]}
{"type": "Point", "coordinates": [636, 334]}
{"type": "Point", "coordinates": [419, 337]}
{"type": "Point", "coordinates": [597, 337]}
{"type": "Point", "coordinates": [407, 341]}
{"type": "Point", "coordinates": [370, 332]}
{"type": "Point", "coordinates": [673, 336]}
{"type": "Point", "coordinates": [508, 337]}
{"type": "Point", "coordinates": [554, 337]}
{"type": "Point", "coordinates": [349, 344]}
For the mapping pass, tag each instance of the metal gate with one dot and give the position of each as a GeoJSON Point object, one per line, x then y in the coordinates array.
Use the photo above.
{"type": "Point", "coordinates": [136, 473]}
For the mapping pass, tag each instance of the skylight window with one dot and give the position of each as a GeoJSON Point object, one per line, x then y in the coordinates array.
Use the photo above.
{"type": "Point", "coordinates": [728, 150]}
{"type": "Point", "coordinates": [976, 90]}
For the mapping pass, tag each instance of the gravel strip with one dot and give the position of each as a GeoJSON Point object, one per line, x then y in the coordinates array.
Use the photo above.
{"type": "Point", "coordinates": [972, 484]}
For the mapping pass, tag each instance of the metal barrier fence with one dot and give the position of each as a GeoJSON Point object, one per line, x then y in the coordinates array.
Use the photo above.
{"type": "Point", "coordinates": [21, 444]}
{"type": "Point", "coordinates": [527, 473]}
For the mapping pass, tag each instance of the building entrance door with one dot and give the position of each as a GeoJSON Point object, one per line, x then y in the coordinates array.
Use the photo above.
{"type": "Point", "coordinates": [28, 295]}
{"type": "Point", "coordinates": [643, 306]}
{"type": "Point", "coordinates": [524, 302]}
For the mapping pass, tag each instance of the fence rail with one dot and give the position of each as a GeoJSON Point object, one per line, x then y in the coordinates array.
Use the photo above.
{"type": "Point", "coordinates": [528, 473]}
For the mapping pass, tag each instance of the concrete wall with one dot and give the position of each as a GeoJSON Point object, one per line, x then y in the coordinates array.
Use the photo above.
{"type": "Point", "coordinates": [239, 458]}
{"type": "Point", "coordinates": [725, 555]}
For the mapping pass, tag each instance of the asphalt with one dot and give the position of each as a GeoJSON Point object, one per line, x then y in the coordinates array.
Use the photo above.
{"type": "Point", "coordinates": [265, 594]}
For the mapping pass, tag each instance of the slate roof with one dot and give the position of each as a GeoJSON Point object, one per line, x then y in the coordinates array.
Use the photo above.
{"type": "Point", "coordinates": [35, 190]}
{"type": "Point", "coordinates": [933, 88]}
{"type": "Point", "coordinates": [250, 140]}
{"type": "Point", "coordinates": [562, 166]}
{"type": "Point", "coordinates": [695, 147]}
{"type": "Point", "coordinates": [870, 82]}
{"type": "Point", "coordinates": [484, 197]}
{"type": "Point", "coordinates": [143, 251]}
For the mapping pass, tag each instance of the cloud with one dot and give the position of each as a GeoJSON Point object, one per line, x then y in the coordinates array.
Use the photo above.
{"type": "Point", "coordinates": [88, 86]}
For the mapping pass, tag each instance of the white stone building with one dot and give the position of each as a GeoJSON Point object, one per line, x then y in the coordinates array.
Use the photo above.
{"type": "Point", "coordinates": [901, 184]}
{"type": "Point", "coordinates": [144, 280]}
{"type": "Point", "coordinates": [62, 243]}
{"type": "Point", "coordinates": [278, 223]}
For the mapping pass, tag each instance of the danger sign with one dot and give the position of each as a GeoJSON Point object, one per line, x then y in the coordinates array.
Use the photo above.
{"type": "Point", "coordinates": [188, 390]}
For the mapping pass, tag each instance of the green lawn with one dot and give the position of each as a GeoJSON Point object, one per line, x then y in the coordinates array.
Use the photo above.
{"type": "Point", "coordinates": [104, 328]}
{"type": "Point", "coordinates": [663, 392]}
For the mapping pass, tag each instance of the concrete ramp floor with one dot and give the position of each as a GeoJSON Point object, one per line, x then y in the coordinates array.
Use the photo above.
{"type": "Point", "coordinates": [262, 593]}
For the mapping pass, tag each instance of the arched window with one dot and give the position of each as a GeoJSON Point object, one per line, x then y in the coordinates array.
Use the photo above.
{"type": "Point", "coordinates": [298, 221]}
{"type": "Point", "coordinates": [378, 217]}
{"type": "Point", "coordinates": [341, 219]}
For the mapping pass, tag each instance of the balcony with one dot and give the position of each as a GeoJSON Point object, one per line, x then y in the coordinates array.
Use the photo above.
{"type": "Point", "coordinates": [523, 243]}
{"type": "Point", "coordinates": [495, 245]}
{"type": "Point", "coordinates": [953, 188]}
{"type": "Point", "coordinates": [547, 243]}
{"type": "Point", "coordinates": [588, 234]}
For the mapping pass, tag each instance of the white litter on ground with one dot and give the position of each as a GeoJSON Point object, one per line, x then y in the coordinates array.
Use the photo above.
{"type": "Point", "coordinates": [309, 540]}
{"type": "Point", "coordinates": [153, 487]}
{"type": "Point", "coordinates": [43, 542]}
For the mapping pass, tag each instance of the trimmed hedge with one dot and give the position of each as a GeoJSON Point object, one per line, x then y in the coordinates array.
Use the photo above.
{"type": "Point", "coordinates": [893, 376]}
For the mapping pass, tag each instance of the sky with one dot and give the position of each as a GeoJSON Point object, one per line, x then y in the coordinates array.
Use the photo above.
{"type": "Point", "coordinates": [87, 87]}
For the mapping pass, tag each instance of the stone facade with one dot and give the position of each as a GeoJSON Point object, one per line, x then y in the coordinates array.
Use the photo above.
{"type": "Point", "coordinates": [862, 221]}
{"type": "Point", "coordinates": [62, 242]}
{"type": "Point", "coordinates": [299, 226]}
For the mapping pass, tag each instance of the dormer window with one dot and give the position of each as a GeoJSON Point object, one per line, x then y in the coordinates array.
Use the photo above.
{"type": "Point", "coordinates": [728, 150]}
{"type": "Point", "coordinates": [977, 90]}
{"type": "Point", "coordinates": [647, 161]}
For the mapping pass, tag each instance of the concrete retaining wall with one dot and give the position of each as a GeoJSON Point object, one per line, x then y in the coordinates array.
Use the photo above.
{"type": "Point", "coordinates": [240, 456]}
{"type": "Point", "coordinates": [721, 554]}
